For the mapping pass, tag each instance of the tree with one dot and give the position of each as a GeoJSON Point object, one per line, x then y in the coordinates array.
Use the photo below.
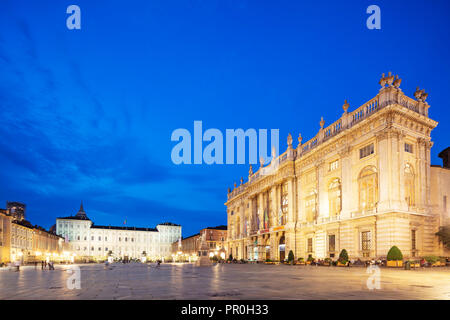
{"type": "Point", "coordinates": [343, 256]}
{"type": "Point", "coordinates": [394, 254]}
{"type": "Point", "coordinates": [444, 235]}
{"type": "Point", "coordinates": [290, 256]}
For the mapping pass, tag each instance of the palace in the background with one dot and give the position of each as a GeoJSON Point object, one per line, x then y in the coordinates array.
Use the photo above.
{"type": "Point", "coordinates": [187, 249]}
{"type": "Point", "coordinates": [364, 183]}
{"type": "Point", "coordinates": [92, 242]}
{"type": "Point", "coordinates": [23, 242]}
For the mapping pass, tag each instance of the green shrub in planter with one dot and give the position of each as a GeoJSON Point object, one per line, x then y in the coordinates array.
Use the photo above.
{"type": "Point", "coordinates": [431, 259]}
{"type": "Point", "coordinates": [343, 256]}
{"type": "Point", "coordinates": [394, 254]}
{"type": "Point", "coordinates": [300, 260]}
{"type": "Point", "coordinates": [310, 258]}
{"type": "Point", "coordinates": [327, 260]}
{"type": "Point", "coordinates": [290, 256]}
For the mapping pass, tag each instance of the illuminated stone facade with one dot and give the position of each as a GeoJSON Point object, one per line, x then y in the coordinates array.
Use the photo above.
{"type": "Point", "coordinates": [364, 183]}
{"type": "Point", "coordinates": [188, 248]}
{"type": "Point", "coordinates": [93, 242]}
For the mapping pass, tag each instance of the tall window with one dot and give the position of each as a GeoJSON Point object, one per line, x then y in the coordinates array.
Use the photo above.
{"type": "Point", "coordinates": [409, 185]}
{"type": "Point", "coordinates": [413, 240]}
{"type": "Point", "coordinates": [368, 189]}
{"type": "Point", "coordinates": [331, 243]}
{"type": "Point", "coordinates": [310, 245]}
{"type": "Point", "coordinates": [366, 243]}
{"type": "Point", "coordinates": [334, 197]}
{"type": "Point", "coordinates": [284, 203]}
{"type": "Point", "coordinates": [238, 227]}
{"type": "Point", "coordinates": [310, 206]}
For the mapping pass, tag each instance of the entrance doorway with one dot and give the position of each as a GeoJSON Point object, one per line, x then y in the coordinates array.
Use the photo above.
{"type": "Point", "coordinates": [282, 248]}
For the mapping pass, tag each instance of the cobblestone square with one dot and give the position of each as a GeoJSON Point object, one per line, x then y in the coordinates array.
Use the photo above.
{"type": "Point", "coordinates": [222, 281]}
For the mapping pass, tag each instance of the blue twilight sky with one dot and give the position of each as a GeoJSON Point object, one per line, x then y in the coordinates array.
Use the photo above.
{"type": "Point", "coordinates": [88, 114]}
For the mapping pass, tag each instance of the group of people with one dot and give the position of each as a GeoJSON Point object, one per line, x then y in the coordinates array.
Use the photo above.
{"type": "Point", "coordinates": [44, 265]}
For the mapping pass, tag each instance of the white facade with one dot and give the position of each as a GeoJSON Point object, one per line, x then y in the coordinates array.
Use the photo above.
{"type": "Point", "coordinates": [90, 241]}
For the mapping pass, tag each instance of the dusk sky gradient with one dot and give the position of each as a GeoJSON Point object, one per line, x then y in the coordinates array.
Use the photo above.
{"type": "Point", "coordinates": [88, 114]}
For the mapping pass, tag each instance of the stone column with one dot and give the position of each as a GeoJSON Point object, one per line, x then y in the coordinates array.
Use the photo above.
{"type": "Point", "coordinates": [290, 187]}
{"type": "Point", "coordinates": [349, 195]}
{"type": "Point", "coordinates": [383, 169]}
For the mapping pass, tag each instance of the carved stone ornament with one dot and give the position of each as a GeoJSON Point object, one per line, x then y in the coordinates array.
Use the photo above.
{"type": "Point", "coordinates": [289, 140]}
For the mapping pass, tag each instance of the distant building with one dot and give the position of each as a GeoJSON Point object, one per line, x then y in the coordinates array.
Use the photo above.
{"type": "Point", "coordinates": [16, 210]}
{"type": "Point", "coordinates": [23, 242]}
{"type": "Point", "coordinates": [188, 248]}
{"type": "Point", "coordinates": [94, 242]}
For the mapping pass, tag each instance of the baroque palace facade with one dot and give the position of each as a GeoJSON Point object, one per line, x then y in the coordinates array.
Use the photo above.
{"type": "Point", "coordinates": [363, 183]}
{"type": "Point", "coordinates": [93, 242]}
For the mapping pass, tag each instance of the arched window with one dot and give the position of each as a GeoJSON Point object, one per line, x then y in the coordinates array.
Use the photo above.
{"type": "Point", "coordinates": [334, 197]}
{"type": "Point", "coordinates": [310, 205]}
{"type": "Point", "coordinates": [368, 188]}
{"type": "Point", "coordinates": [409, 185]}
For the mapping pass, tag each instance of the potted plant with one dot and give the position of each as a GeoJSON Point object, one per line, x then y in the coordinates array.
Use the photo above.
{"type": "Point", "coordinates": [291, 257]}
{"type": "Point", "coordinates": [394, 257]}
{"type": "Point", "coordinates": [343, 258]}
{"type": "Point", "coordinates": [301, 261]}
{"type": "Point", "coordinates": [327, 262]}
{"type": "Point", "coordinates": [309, 260]}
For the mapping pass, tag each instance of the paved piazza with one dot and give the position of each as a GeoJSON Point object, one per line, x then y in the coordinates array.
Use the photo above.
{"type": "Point", "coordinates": [186, 281]}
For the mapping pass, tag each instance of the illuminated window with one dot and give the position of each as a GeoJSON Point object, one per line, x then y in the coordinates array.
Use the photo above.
{"type": "Point", "coordinates": [366, 151]}
{"type": "Point", "coordinates": [366, 239]}
{"type": "Point", "coordinates": [368, 189]}
{"type": "Point", "coordinates": [333, 165]}
{"type": "Point", "coordinates": [409, 185]}
{"type": "Point", "coordinates": [408, 148]}
{"type": "Point", "coordinates": [334, 197]}
{"type": "Point", "coordinates": [310, 206]}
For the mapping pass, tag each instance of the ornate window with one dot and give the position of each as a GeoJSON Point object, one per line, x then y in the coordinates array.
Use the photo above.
{"type": "Point", "coordinates": [310, 206]}
{"type": "Point", "coordinates": [409, 186]}
{"type": "Point", "coordinates": [368, 188]}
{"type": "Point", "coordinates": [284, 203]}
{"type": "Point", "coordinates": [238, 227]}
{"type": "Point", "coordinates": [334, 197]}
{"type": "Point", "coordinates": [366, 243]}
